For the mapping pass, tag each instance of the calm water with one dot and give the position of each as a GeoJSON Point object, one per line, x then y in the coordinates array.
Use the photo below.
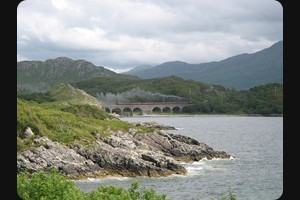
{"type": "Point", "coordinates": [255, 172]}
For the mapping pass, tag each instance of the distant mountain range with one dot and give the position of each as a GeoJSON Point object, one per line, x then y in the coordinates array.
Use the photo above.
{"type": "Point", "coordinates": [240, 72]}
{"type": "Point", "coordinates": [38, 75]}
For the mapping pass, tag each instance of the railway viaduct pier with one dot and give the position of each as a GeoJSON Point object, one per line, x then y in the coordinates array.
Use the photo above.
{"type": "Point", "coordinates": [146, 108]}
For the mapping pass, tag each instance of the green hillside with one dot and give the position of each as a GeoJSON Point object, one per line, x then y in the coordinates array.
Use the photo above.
{"type": "Point", "coordinates": [264, 99]}
{"type": "Point", "coordinates": [39, 76]}
{"type": "Point", "coordinates": [39, 81]}
{"type": "Point", "coordinates": [66, 121]}
{"type": "Point", "coordinates": [208, 98]}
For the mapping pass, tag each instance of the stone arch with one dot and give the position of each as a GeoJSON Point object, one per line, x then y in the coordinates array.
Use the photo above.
{"type": "Point", "coordinates": [127, 111]}
{"type": "Point", "coordinates": [137, 111]}
{"type": "Point", "coordinates": [166, 110]}
{"type": "Point", "coordinates": [107, 110]}
{"type": "Point", "coordinates": [156, 110]}
{"type": "Point", "coordinates": [117, 111]}
{"type": "Point", "coordinates": [176, 109]}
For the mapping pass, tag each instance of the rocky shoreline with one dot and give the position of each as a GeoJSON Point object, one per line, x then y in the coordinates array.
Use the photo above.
{"type": "Point", "coordinates": [127, 154]}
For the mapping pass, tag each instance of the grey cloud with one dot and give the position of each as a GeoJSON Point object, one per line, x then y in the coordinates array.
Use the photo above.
{"type": "Point", "coordinates": [127, 33]}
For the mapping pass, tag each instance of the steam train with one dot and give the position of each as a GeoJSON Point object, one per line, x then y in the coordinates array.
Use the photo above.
{"type": "Point", "coordinates": [155, 103]}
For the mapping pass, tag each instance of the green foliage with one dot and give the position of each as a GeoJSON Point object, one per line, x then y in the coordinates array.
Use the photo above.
{"type": "Point", "coordinates": [133, 193]}
{"type": "Point", "coordinates": [55, 124]}
{"type": "Point", "coordinates": [265, 99]}
{"type": "Point", "coordinates": [36, 96]}
{"type": "Point", "coordinates": [41, 186]}
{"type": "Point", "coordinates": [66, 124]}
{"type": "Point", "coordinates": [88, 111]}
{"type": "Point", "coordinates": [25, 144]}
{"type": "Point", "coordinates": [27, 116]}
{"type": "Point", "coordinates": [207, 98]}
{"type": "Point", "coordinates": [21, 144]}
{"type": "Point", "coordinates": [65, 92]}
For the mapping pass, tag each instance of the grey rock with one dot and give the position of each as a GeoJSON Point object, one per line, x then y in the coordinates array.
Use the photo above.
{"type": "Point", "coordinates": [52, 154]}
{"type": "Point", "coordinates": [122, 153]}
{"type": "Point", "coordinates": [27, 133]}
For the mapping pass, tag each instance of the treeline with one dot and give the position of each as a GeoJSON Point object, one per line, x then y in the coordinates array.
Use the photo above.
{"type": "Point", "coordinates": [38, 97]}
{"type": "Point", "coordinates": [265, 99]}
{"type": "Point", "coordinates": [207, 98]}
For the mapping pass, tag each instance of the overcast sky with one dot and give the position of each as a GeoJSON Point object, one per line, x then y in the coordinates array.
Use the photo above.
{"type": "Point", "coordinates": [122, 34]}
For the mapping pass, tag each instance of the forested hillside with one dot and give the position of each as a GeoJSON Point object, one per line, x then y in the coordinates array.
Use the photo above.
{"type": "Point", "coordinates": [35, 80]}
{"type": "Point", "coordinates": [208, 98]}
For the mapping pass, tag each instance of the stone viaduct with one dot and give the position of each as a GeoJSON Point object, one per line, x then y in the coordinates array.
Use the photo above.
{"type": "Point", "coordinates": [146, 108]}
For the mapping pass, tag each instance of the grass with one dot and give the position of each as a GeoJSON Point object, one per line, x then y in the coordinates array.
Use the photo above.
{"type": "Point", "coordinates": [67, 124]}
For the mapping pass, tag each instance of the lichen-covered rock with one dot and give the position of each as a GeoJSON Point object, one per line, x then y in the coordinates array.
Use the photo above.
{"type": "Point", "coordinates": [27, 133]}
{"type": "Point", "coordinates": [121, 153]}
{"type": "Point", "coordinates": [181, 148]}
{"type": "Point", "coordinates": [52, 154]}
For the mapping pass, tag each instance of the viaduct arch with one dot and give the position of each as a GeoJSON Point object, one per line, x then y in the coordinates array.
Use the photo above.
{"type": "Point", "coordinates": [146, 108]}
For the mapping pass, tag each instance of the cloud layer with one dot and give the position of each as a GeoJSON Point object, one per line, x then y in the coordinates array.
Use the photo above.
{"type": "Point", "coordinates": [121, 34]}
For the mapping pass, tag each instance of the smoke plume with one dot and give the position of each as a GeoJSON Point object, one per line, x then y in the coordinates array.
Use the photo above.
{"type": "Point", "coordinates": [137, 95]}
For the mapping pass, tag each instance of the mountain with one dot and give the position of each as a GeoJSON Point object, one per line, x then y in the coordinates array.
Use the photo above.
{"type": "Point", "coordinates": [138, 69]}
{"type": "Point", "coordinates": [39, 76]}
{"type": "Point", "coordinates": [240, 72]}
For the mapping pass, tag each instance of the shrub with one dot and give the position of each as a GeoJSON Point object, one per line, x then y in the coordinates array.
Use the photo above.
{"type": "Point", "coordinates": [41, 186]}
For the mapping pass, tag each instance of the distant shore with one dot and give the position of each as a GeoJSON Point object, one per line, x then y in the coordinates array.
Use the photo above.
{"type": "Point", "coordinates": [204, 115]}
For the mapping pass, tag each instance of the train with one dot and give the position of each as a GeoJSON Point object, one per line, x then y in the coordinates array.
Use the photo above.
{"type": "Point", "coordinates": [153, 103]}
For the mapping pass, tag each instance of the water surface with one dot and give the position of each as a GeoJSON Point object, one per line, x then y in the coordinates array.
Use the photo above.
{"type": "Point", "coordinates": [255, 172]}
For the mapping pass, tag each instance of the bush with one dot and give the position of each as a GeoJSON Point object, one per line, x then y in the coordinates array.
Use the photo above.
{"type": "Point", "coordinates": [48, 186]}
{"type": "Point", "coordinates": [41, 186]}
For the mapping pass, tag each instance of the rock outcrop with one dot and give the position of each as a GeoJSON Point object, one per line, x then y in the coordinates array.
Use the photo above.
{"type": "Point", "coordinates": [27, 133]}
{"type": "Point", "coordinates": [121, 153]}
{"type": "Point", "coordinates": [154, 125]}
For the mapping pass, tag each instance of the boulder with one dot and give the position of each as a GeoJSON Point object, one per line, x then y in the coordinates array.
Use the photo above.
{"type": "Point", "coordinates": [27, 133]}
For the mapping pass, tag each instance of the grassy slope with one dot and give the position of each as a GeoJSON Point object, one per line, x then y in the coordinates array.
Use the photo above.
{"type": "Point", "coordinates": [66, 120]}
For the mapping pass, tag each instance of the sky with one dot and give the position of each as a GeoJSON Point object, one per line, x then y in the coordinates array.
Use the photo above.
{"type": "Point", "coordinates": [123, 34]}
